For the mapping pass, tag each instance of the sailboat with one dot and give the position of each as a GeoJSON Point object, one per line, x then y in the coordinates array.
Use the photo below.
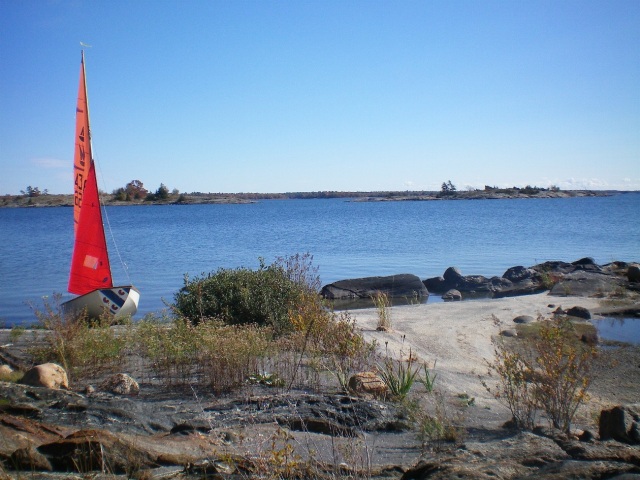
{"type": "Point", "coordinates": [90, 276]}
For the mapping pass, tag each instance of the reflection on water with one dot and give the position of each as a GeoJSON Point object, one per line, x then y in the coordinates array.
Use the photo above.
{"type": "Point", "coordinates": [619, 329]}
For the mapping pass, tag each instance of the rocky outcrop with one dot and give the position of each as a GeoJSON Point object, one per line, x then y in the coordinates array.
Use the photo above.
{"type": "Point", "coordinates": [394, 286]}
{"type": "Point", "coordinates": [580, 278]}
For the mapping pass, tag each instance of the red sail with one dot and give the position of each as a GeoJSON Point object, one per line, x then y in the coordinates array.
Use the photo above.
{"type": "Point", "coordinates": [90, 267]}
{"type": "Point", "coordinates": [82, 155]}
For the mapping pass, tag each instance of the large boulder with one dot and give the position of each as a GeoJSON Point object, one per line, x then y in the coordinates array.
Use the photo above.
{"type": "Point", "coordinates": [621, 423]}
{"type": "Point", "coordinates": [394, 286]}
{"type": "Point", "coordinates": [48, 375]}
{"type": "Point", "coordinates": [584, 283]}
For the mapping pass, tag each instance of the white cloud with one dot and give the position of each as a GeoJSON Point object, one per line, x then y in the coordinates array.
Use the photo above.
{"type": "Point", "coordinates": [50, 163]}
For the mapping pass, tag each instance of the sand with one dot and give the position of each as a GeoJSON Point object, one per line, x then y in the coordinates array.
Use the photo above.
{"type": "Point", "coordinates": [458, 335]}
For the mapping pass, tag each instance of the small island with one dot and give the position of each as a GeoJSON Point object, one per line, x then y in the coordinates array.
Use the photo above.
{"type": "Point", "coordinates": [134, 193]}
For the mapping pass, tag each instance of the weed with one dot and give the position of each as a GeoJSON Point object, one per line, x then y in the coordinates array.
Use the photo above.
{"type": "Point", "coordinates": [81, 346]}
{"type": "Point", "coordinates": [383, 305]}
{"type": "Point", "coordinates": [398, 376]}
{"type": "Point", "coordinates": [429, 377]}
{"type": "Point", "coordinates": [16, 332]}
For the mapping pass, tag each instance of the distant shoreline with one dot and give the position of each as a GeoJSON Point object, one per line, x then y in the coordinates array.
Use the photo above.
{"type": "Point", "coordinates": [66, 200]}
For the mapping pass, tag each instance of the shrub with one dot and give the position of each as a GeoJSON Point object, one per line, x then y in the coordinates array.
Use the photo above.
{"type": "Point", "coordinates": [513, 388]}
{"type": "Point", "coordinates": [565, 371]}
{"type": "Point", "coordinates": [241, 296]}
{"type": "Point", "coordinates": [553, 375]}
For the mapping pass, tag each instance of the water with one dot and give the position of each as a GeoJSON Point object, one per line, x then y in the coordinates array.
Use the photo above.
{"type": "Point", "coordinates": [625, 330]}
{"type": "Point", "coordinates": [159, 244]}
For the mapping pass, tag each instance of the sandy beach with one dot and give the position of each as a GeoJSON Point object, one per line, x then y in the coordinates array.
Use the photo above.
{"type": "Point", "coordinates": [458, 336]}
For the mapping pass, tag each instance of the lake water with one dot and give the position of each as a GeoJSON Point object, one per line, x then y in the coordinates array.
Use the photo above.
{"type": "Point", "coordinates": [159, 244]}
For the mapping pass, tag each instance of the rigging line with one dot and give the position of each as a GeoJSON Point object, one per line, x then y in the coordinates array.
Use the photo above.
{"type": "Point", "coordinates": [125, 267]}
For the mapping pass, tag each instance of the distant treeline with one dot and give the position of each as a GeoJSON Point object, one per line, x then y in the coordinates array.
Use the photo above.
{"type": "Point", "coordinates": [134, 193]}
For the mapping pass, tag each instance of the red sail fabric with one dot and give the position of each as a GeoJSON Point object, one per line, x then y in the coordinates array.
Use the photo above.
{"type": "Point", "coordinates": [82, 155]}
{"type": "Point", "coordinates": [90, 267]}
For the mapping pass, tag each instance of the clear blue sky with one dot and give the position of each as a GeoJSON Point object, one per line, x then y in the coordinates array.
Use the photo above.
{"type": "Point", "coordinates": [282, 96]}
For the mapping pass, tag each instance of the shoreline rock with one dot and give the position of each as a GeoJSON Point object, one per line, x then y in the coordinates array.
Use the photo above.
{"type": "Point", "coordinates": [580, 278]}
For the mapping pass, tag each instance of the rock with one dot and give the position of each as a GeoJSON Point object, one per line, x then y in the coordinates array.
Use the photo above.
{"type": "Point", "coordinates": [586, 284]}
{"type": "Point", "coordinates": [509, 333]}
{"type": "Point", "coordinates": [522, 319]}
{"type": "Point", "coordinates": [367, 383]}
{"type": "Point", "coordinates": [621, 423]}
{"type": "Point", "coordinates": [5, 371]}
{"type": "Point", "coordinates": [584, 261]}
{"type": "Point", "coordinates": [395, 286]}
{"type": "Point", "coordinates": [452, 294]}
{"type": "Point", "coordinates": [590, 338]}
{"type": "Point", "coordinates": [518, 281]}
{"type": "Point", "coordinates": [633, 273]}
{"type": "Point", "coordinates": [579, 312]}
{"type": "Point", "coordinates": [519, 273]}
{"type": "Point", "coordinates": [475, 284]}
{"type": "Point", "coordinates": [29, 459]}
{"type": "Point", "coordinates": [586, 436]}
{"type": "Point", "coordinates": [120, 384]}
{"type": "Point", "coordinates": [555, 267]}
{"type": "Point", "coordinates": [97, 450]}
{"type": "Point", "coordinates": [48, 375]}
{"type": "Point", "coordinates": [435, 284]}
{"type": "Point", "coordinates": [453, 276]}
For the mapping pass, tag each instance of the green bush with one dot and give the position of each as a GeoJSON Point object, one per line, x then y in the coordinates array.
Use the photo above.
{"type": "Point", "coordinates": [241, 296]}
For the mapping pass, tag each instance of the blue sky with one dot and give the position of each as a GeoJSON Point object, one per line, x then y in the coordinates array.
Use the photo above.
{"type": "Point", "coordinates": [283, 96]}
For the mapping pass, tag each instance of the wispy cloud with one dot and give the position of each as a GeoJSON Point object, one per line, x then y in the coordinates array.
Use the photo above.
{"type": "Point", "coordinates": [50, 163]}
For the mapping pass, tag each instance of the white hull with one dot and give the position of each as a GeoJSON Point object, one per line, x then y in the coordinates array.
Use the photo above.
{"type": "Point", "coordinates": [116, 302]}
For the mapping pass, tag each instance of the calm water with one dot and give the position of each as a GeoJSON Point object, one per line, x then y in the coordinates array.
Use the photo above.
{"type": "Point", "coordinates": [159, 244]}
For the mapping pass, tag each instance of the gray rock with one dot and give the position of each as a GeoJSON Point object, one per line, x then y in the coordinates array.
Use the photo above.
{"type": "Point", "coordinates": [509, 333]}
{"type": "Point", "coordinates": [621, 423]}
{"type": "Point", "coordinates": [584, 284]}
{"type": "Point", "coordinates": [524, 319]}
{"type": "Point", "coordinates": [453, 276]}
{"type": "Point", "coordinates": [452, 294]}
{"type": "Point", "coordinates": [435, 284]}
{"type": "Point", "coordinates": [633, 273]}
{"type": "Point", "coordinates": [579, 312]}
{"type": "Point", "coordinates": [519, 273]}
{"type": "Point", "coordinates": [395, 286]}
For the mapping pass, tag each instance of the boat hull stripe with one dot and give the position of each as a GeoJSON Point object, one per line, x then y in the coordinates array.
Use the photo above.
{"type": "Point", "coordinates": [113, 296]}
